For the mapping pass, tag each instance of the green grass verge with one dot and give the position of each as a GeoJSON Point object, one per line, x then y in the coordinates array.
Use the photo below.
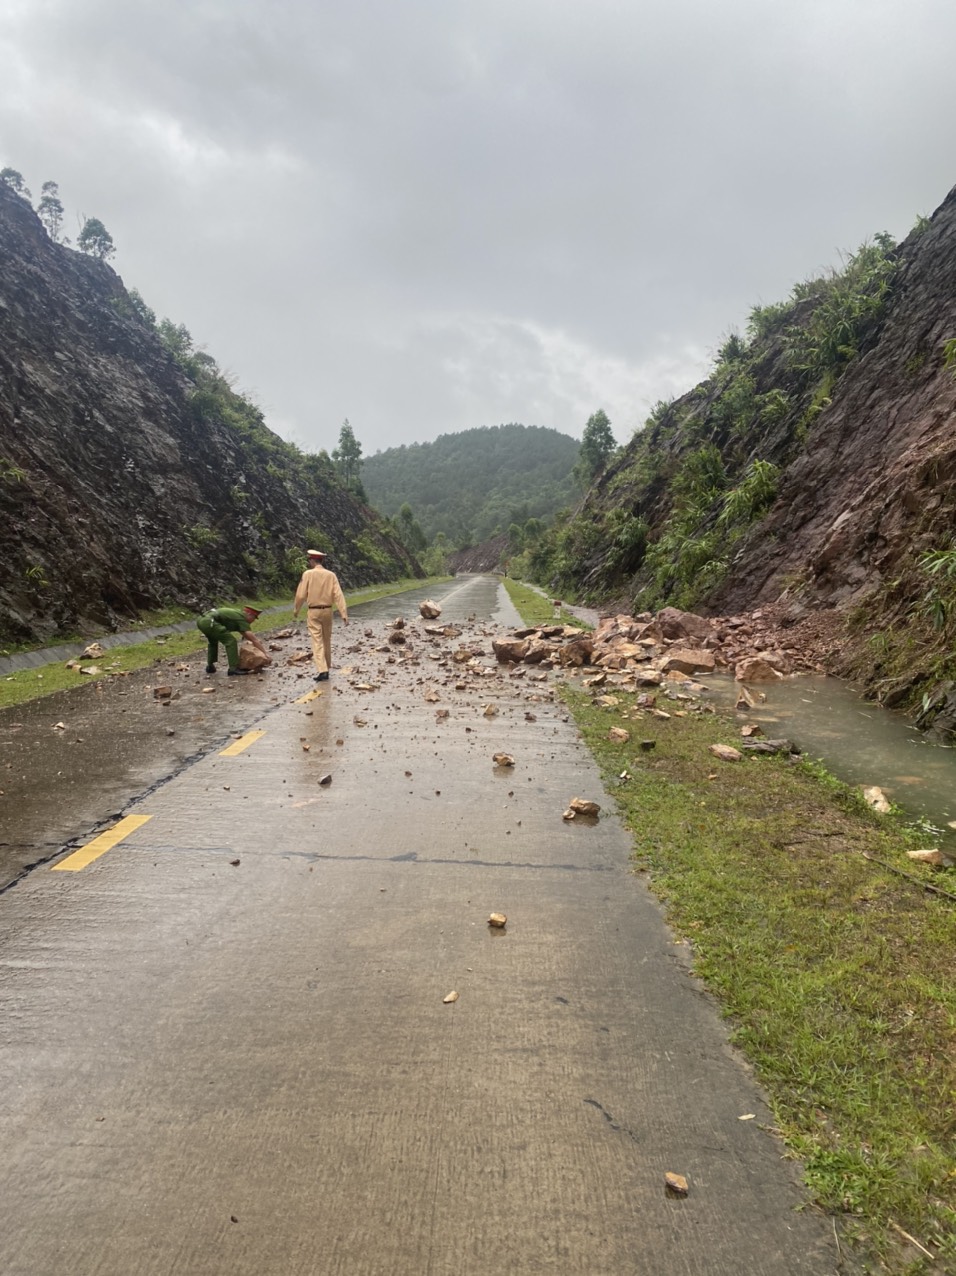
{"type": "Point", "coordinates": [28, 684]}
{"type": "Point", "coordinates": [835, 972]}
{"type": "Point", "coordinates": [535, 609]}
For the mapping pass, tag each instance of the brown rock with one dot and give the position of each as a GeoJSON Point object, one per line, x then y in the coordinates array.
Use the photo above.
{"type": "Point", "coordinates": [756, 669]}
{"type": "Point", "coordinates": [511, 650]}
{"type": "Point", "coordinates": [430, 610]}
{"type": "Point", "coordinates": [683, 624]}
{"type": "Point", "coordinates": [582, 806]}
{"type": "Point", "coordinates": [689, 660]}
{"type": "Point", "coordinates": [726, 753]}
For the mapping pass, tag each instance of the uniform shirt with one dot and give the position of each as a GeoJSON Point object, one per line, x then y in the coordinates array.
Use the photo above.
{"type": "Point", "coordinates": [320, 588]}
{"type": "Point", "coordinates": [231, 618]}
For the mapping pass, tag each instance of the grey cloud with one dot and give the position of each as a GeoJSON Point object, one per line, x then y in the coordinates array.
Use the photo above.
{"type": "Point", "coordinates": [434, 215]}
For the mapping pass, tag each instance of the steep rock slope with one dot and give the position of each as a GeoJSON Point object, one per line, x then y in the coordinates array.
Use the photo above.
{"type": "Point", "coordinates": [876, 483]}
{"type": "Point", "coordinates": [814, 470]}
{"type": "Point", "coordinates": [123, 484]}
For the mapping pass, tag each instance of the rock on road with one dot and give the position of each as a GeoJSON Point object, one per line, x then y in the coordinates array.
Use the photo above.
{"type": "Point", "coordinates": [226, 1044]}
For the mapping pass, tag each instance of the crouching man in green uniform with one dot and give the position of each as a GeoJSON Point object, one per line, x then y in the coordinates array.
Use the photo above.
{"type": "Point", "coordinates": [221, 626]}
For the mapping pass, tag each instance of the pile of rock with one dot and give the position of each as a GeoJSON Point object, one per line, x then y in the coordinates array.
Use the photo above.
{"type": "Point", "coordinates": [650, 648]}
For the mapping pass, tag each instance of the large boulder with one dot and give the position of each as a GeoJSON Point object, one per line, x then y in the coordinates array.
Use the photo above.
{"type": "Point", "coordinates": [511, 650]}
{"type": "Point", "coordinates": [689, 660]}
{"type": "Point", "coordinates": [675, 624]}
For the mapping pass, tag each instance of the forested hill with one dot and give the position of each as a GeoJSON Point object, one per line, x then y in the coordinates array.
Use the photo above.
{"type": "Point", "coordinates": [470, 485]}
{"type": "Point", "coordinates": [131, 475]}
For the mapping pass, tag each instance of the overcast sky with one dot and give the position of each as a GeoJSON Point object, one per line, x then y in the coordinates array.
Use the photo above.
{"type": "Point", "coordinates": [430, 215]}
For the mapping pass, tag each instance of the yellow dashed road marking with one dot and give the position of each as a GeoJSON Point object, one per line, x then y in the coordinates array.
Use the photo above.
{"type": "Point", "coordinates": [309, 695]}
{"type": "Point", "coordinates": [100, 845]}
{"type": "Point", "coordinates": [242, 743]}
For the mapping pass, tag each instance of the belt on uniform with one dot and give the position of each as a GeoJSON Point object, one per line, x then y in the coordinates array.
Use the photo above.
{"type": "Point", "coordinates": [319, 606]}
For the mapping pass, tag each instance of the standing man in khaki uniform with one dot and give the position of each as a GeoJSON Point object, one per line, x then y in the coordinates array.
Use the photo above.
{"type": "Point", "coordinates": [320, 591]}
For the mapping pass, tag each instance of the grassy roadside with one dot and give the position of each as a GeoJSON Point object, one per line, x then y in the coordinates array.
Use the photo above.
{"type": "Point", "coordinates": [536, 609]}
{"type": "Point", "coordinates": [835, 972]}
{"type": "Point", "coordinates": [28, 684]}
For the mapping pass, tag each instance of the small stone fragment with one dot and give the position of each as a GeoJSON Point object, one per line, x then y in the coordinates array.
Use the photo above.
{"type": "Point", "coordinates": [876, 798]}
{"type": "Point", "coordinates": [429, 610]}
{"type": "Point", "coordinates": [452, 996]}
{"type": "Point", "coordinates": [582, 806]}
{"type": "Point", "coordinates": [726, 753]}
{"type": "Point", "coordinates": [490, 710]}
{"type": "Point", "coordinates": [647, 745]}
{"type": "Point", "coordinates": [619, 735]}
{"type": "Point", "coordinates": [325, 780]}
{"type": "Point", "coordinates": [498, 921]}
{"type": "Point", "coordinates": [162, 693]}
{"type": "Point", "coordinates": [676, 1184]}
{"type": "Point", "coordinates": [928, 857]}
{"type": "Point", "coordinates": [93, 652]}
{"type": "Point", "coordinates": [502, 759]}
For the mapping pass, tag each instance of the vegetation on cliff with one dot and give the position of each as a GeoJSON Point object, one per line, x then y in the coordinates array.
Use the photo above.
{"type": "Point", "coordinates": [133, 474]}
{"type": "Point", "coordinates": [816, 464]}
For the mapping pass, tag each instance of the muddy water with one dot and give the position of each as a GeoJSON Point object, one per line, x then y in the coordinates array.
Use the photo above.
{"type": "Point", "coordinates": [858, 741]}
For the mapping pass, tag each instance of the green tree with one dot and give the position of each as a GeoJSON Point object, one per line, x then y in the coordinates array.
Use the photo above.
{"type": "Point", "coordinates": [95, 240]}
{"type": "Point", "coordinates": [146, 313]}
{"type": "Point", "coordinates": [409, 530]}
{"type": "Point", "coordinates": [348, 456]}
{"type": "Point", "coordinates": [10, 177]}
{"type": "Point", "coordinates": [597, 445]}
{"type": "Point", "coordinates": [177, 339]}
{"type": "Point", "coordinates": [50, 210]}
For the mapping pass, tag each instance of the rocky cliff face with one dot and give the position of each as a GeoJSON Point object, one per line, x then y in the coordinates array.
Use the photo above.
{"type": "Point", "coordinates": [122, 485]}
{"type": "Point", "coordinates": [812, 472]}
{"type": "Point", "coordinates": [875, 484]}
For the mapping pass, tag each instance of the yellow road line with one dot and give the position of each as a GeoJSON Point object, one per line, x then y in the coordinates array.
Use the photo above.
{"type": "Point", "coordinates": [242, 743]}
{"type": "Point", "coordinates": [100, 845]}
{"type": "Point", "coordinates": [309, 695]}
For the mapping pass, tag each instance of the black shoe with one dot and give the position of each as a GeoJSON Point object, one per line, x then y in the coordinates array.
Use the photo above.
{"type": "Point", "coordinates": [210, 668]}
{"type": "Point", "coordinates": [235, 672]}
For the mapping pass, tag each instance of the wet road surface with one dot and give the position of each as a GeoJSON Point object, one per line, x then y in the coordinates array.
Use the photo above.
{"type": "Point", "coordinates": [224, 1046]}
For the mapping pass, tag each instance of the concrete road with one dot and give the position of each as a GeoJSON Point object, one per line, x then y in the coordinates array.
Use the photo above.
{"type": "Point", "coordinates": [224, 1043]}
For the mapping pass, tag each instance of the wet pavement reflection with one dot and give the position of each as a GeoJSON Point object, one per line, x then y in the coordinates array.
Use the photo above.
{"type": "Point", "coordinates": [72, 761]}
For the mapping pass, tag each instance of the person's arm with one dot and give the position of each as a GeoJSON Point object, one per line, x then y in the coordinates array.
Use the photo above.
{"type": "Point", "coordinates": [247, 633]}
{"type": "Point", "coordinates": [301, 596]}
{"type": "Point", "coordinates": [339, 599]}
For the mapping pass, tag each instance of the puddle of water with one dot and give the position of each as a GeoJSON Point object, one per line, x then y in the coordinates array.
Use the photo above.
{"type": "Point", "coordinates": [858, 741]}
